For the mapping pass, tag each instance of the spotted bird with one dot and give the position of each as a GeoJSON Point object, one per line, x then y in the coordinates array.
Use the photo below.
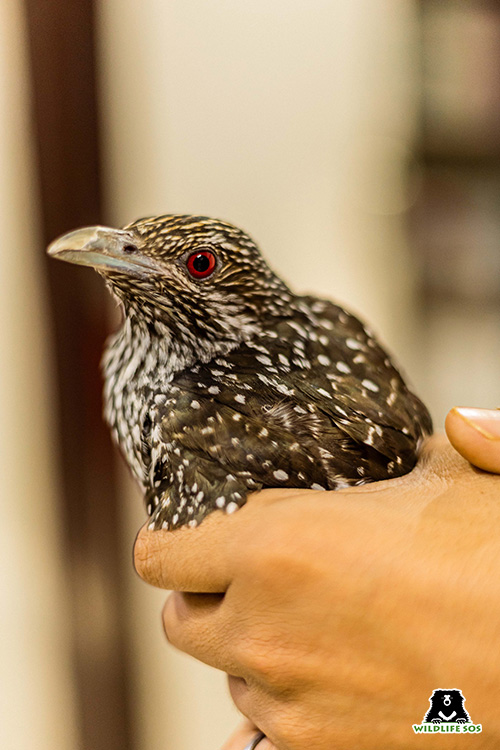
{"type": "Point", "coordinates": [222, 381]}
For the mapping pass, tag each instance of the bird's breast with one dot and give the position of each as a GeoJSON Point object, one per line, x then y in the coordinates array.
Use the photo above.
{"type": "Point", "coordinates": [134, 371]}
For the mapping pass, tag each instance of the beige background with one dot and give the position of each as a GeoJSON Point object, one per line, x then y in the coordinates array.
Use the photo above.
{"type": "Point", "coordinates": [294, 119]}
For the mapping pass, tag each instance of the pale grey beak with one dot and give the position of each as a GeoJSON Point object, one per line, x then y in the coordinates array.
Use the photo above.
{"type": "Point", "coordinates": [104, 249]}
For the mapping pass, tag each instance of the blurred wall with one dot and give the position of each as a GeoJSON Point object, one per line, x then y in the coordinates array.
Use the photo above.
{"type": "Point", "coordinates": [36, 687]}
{"type": "Point", "coordinates": [455, 222]}
{"type": "Point", "coordinates": [294, 120]}
{"type": "Point", "coordinates": [297, 121]}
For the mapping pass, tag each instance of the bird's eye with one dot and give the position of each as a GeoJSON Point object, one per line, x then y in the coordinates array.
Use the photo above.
{"type": "Point", "coordinates": [129, 249]}
{"type": "Point", "coordinates": [201, 264]}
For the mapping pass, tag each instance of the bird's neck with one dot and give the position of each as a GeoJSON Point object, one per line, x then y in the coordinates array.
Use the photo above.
{"type": "Point", "coordinates": [147, 351]}
{"type": "Point", "coordinates": [139, 350]}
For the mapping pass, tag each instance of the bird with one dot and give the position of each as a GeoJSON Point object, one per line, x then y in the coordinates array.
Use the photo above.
{"type": "Point", "coordinates": [221, 381]}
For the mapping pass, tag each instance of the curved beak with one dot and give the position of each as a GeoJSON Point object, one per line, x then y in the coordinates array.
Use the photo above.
{"type": "Point", "coordinates": [104, 249]}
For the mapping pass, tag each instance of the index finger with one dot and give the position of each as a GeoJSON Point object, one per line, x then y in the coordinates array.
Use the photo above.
{"type": "Point", "coordinates": [200, 559]}
{"type": "Point", "coordinates": [187, 559]}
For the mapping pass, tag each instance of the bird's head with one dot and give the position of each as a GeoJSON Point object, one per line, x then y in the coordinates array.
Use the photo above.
{"type": "Point", "coordinates": [195, 278]}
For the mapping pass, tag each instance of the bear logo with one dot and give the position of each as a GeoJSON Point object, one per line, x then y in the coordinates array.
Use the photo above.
{"type": "Point", "coordinates": [447, 706]}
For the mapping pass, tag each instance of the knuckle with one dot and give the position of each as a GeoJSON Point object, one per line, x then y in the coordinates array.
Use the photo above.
{"type": "Point", "coordinates": [259, 657]}
{"type": "Point", "coordinates": [186, 632]}
{"type": "Point", "coordinates": [285, 723]}
{"type": "Point", "coordinates": [270, 554]}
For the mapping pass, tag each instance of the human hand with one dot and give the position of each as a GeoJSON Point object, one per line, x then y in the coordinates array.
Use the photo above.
{"type": "Point", "coordinates": [337, 614]}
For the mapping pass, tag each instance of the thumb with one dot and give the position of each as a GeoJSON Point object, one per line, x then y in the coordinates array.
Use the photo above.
{"type": "Point", "coordinates": [475, 434]}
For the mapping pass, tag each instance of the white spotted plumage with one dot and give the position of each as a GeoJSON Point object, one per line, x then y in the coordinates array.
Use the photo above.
{"type": "Point", "coordinates": [216, 389]}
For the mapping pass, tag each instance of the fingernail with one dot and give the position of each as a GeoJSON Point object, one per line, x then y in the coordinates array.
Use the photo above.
{"type": "Point", "coordinates": [485, 421]}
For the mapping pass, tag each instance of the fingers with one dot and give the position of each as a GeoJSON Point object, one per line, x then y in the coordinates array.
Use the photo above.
{"type": "Point", "coordinates": [475, 434]}
{"type": "Point", "coordinates": [201, 626]}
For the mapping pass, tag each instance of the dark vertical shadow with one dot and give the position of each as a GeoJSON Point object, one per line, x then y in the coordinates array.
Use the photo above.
{"type": "Point", "coordinates": [61, 48]}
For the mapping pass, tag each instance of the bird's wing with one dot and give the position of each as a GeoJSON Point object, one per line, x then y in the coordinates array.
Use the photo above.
{"type": "Point", "coordinates": [361, 390]}
{"type": "Point", "coordinates": [309, 406]}
{"type": "Point", "coordinates": [335, 369]}
{"type": "Point", "coordinates": [205, 454]}
{"type": "Point", "coordinates": [340, 370]}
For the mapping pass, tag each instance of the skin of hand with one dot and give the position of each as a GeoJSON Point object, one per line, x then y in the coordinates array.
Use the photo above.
{"type": "Point", "coordinates": [336, 614]}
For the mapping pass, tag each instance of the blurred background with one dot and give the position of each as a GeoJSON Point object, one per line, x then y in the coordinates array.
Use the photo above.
{"type": "Point", "coordinates": [357, 140]}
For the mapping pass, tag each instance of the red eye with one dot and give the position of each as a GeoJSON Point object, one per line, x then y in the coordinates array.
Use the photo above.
{"type": "Point", "coordinates": [201, 264]}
